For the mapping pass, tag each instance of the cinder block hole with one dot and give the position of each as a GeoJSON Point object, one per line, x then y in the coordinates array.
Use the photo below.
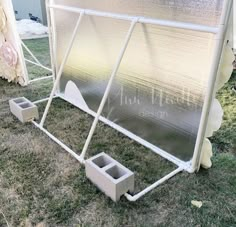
{"type": "Point", "coordinates": [25, 105]}
{"type": "Point", "coordinates": [116, 172]}
{"type": "Point", "coordinates": [102, 161]}
{"type": "Point", "coordinates": [19, 100]}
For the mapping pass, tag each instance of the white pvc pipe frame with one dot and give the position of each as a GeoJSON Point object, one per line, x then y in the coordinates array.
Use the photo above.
{"type": "Point", "coordinates": [37, 63]}
{"type": "Point", "coordinates": [220, 32]}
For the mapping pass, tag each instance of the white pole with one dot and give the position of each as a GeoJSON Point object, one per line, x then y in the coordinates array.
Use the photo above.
{"type": "Point", "coordinates": [39, 65]}
{"type": "Point", "coordinates": [166, 23]}
{"type": "Point", "coordinates": [61, 69]}
{"type": "Point", "coordinates": [52, 37]}
{"type": "Point", "coordinates": [211, 85]}
{"type": "Point", "coordinates": [234, 26]}
{"type": "Point", "coordinates": [104, 99]}
{"type": "Point", "coordinates": [41, 78]}
{"type": "Point", "coordinates": [151, 187]}
{"type": "Point", "coordinates": [31, 54]}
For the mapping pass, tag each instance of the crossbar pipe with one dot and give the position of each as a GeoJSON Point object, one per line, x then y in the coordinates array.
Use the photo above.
{"type": "Point", "coordinates": [151, 187]}
{"type": "Point", "coordinates": [40, 79]}
{"type": "Point", "coordinates": [43, 100]}
{"type": "Point", "coordinates": [56, 83]}
{"type": "Point", "coordinates": [30, 52]}
{"type": "Point", "coordinates": [51, 38]}
{"type": "Point", "coordinates": [144, 20]}
{"type": "Point", "coordinates": [108, 88]}
{"type": "Point", "coordinates": [39, 65]}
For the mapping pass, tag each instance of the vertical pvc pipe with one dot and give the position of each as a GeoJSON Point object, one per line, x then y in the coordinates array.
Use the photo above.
{"type": "Point", "coordinates": [61, 69]}
{"type": "Point", "coordinates": [211, 85]}
{"type": "Point", "coordinates": [49, 18]}
{"type": "Point", "coordinates": [53, 44]}
{"type": "Point", "coordinates": [107, 91]}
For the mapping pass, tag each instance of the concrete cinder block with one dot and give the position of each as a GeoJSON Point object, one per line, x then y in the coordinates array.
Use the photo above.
{"type": "Point", "coordinates": [109, 176]}
{"type": "Point", "coordinates": [23, 109]}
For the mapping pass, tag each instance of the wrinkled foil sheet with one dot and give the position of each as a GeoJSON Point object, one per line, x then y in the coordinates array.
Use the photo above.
{"type": "Point", "coordinates": [160, 87]}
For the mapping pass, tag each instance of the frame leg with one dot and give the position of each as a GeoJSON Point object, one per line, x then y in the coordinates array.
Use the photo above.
{"type": "Point", "coordinates": [61, 69]}
{"type": "Point", "coordinates": [151, 187]}
{"type": "Point", "coordinates": [104, 99]}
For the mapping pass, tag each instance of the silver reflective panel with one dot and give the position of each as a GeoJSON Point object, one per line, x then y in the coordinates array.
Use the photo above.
{"type": "Point", "coordinates": [159, 90]}
{"type": "Point", "coordinates": [206, 12]}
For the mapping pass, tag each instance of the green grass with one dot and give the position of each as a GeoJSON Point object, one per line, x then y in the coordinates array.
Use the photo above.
{"type": "Point", "coordinates": [225, 138]}
{"type": "Point", "coordinates": [40, 48]}
{"type": "Point", "coordinates": [41, 183]}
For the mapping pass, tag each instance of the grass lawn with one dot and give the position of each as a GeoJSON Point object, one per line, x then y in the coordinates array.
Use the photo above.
{"type": "Point", "coordinates": [41, 185]}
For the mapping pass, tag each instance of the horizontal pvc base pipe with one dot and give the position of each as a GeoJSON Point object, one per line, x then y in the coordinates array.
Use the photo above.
{"type": "Point", "coordinates": [43, 100]}
{"type": "Point", "coordinates": [151, 187]}
{"type": "Point", "coordinates": [41, 78]}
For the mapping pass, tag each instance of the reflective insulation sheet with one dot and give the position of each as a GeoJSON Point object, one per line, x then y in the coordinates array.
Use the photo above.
{"type": "Point", "coordinates": [159, 90]}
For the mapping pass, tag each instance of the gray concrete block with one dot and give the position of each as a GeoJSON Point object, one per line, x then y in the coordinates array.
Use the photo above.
{"type": "Point", "coordinates": [24, 109]}
{"type": "Point", "coordinates": [109, 176]}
